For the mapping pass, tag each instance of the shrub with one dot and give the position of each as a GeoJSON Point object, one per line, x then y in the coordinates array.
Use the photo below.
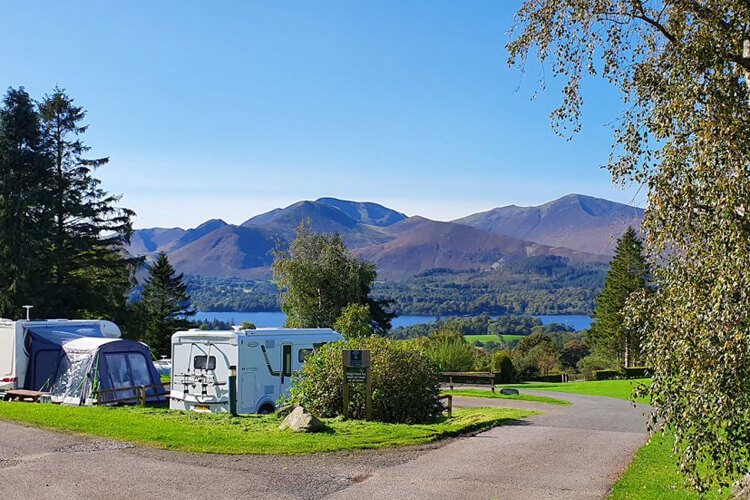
{"type": "Point", "coordinates": [451, 355]}
{"type": "Point", "coordinates": [592, 362]}
{"type": "Point", "coordinates": [552, 377]}
{"type": "Point", "coordinates": [405, 383]}
{"type": "Point", "coordinates": [502, 366]}
{"type": "Point", "coordinates": [606, 374]}
{"type": "Point", "coordinates": [354, 322]}
{"type": "Point", "coordinates": [636, 372]}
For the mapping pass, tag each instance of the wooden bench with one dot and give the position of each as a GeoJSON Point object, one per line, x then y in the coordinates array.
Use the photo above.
{"type": "Point", "coordinates": [23, 395]}
{"type": "Point", "coordinates": [489, 376]}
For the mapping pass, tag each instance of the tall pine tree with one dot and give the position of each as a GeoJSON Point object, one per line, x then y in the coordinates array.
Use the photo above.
{"type": "Point", "coordinates": [91, 275]}
{"type": "Point", "coordinates": [609, 334]}
{"type": "Point", "coordinates": [25, 215]}
{"type": "Point", "coordinates": [164, 306]}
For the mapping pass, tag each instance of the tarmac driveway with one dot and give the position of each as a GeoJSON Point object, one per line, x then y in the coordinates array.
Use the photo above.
{"type": "Point", "coordinates": [568, 452]}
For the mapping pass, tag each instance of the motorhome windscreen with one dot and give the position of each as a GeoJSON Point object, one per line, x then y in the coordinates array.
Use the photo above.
{"type": "Point", "coordinates": [204, 362]}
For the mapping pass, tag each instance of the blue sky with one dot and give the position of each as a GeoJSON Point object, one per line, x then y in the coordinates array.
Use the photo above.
{"type": "Point", "coordinates": [229, 109]}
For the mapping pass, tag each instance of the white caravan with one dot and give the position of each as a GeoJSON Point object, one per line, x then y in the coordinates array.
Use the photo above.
{"type": "Point", "coordinates": [265, 359]}
{"type": "Point", "coordinates": [14, 351]}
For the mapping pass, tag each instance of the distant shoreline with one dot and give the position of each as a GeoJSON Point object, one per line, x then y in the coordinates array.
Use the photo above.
{"type": "Point", "coordinates": [270, 319]}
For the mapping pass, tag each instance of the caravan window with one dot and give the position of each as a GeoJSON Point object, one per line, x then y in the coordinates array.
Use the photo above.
{"type": "Point", "coordinates": [303, 354]}
{"type": "Point", "coordinates": [204, 362]}
{"type": "Point", "coordinates": [287, 360]}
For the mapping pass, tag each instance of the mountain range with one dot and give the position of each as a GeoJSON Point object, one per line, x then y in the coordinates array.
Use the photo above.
{"type": "Point", "coordinates": [580, 228]}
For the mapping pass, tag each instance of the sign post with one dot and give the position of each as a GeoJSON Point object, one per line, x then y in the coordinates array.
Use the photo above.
{"type": "Point", "coordinates": [357, 370]}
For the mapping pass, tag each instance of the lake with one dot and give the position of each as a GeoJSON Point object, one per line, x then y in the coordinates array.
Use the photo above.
{"type": "Point", "coordinates": [276, 319]}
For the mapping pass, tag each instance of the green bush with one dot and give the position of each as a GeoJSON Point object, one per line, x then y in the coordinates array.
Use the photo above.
{"type": "Point", "coordinates": [592, 362]}
{"type": "Point", "coordinates": [636, 372]}
{"type": "Point", "coordinates": [354, 322]}
{"type": "Point", "coordinates": [405, 383]}
{"type": "Point", "coordinates": [502, 367]}
{"type": "Point", "coordinates": [552, 377]}
{"type": "Point", "coordinates": [606, 374]}
{"type": "Point", "coordinates": [451, 355]}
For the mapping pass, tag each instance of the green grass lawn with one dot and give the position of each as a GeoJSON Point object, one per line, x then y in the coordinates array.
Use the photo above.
{"type": "Point", "coordinates": [479, 393]}
{"type": "Point", "coordinates": [653, 474]}
{"type": "Point", "coordinates": [473, 339]}
{"type": "Point", "coordinates": [621, 389]}
{"type": "Point", "coordinates": [252, 434]}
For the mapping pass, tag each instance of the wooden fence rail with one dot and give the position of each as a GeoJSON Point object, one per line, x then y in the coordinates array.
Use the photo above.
{"type": "Point", "coordinates": [488, 376]}
{"type": "Point", "coordinates": [449, 406]}
{"type": "Point", "coordinates": [139, 397]}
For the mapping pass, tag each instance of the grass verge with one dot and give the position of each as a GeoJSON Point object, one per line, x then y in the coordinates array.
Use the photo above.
{"type": "Point", "coordinates": [479, 393]}
{"type": "Point", "coordinates": [653, 474]}
{"type": "Point", "coordinates": [621, 389]}
{"type": "Point", "coordinates": [252, 434]}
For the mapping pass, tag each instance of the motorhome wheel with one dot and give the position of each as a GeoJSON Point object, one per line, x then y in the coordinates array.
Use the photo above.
{"type": "Point", "coordinates": [266, 409]}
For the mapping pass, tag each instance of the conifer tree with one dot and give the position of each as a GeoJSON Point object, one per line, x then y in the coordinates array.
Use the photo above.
{"type": "Point", "coordinates": [87, 263]}
{"type": "Point", "coordinates": [164, 306]}
{"type": "Point", "coordinates": [25, 180]}
{"type": "Point", "coordinates": [609, 333]}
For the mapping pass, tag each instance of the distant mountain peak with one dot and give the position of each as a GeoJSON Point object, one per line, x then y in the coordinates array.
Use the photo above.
{"type": "Point", "coordinates": [365, 212]}
{"type": "Point", "coordinates": [575, 226]}
{"type": "Point", "coordinates": [575, 221]}
{"type": "Point", "coordinates": [211, 223]}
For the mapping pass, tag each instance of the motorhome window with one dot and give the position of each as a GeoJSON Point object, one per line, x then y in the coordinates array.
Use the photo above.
{"type": "Point", "coordinates": [199, 362]}
{"type": "Point", "coordinates": [303, 354]}
{"type": "Point", "coordinates": [287, 360]}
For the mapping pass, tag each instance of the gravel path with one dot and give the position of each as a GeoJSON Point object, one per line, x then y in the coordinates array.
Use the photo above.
{"type": "Point", "coordinates": [569, 452]}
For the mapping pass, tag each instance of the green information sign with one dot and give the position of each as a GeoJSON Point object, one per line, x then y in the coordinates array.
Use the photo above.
{"type": "Point", "coordinates": [356, 365]}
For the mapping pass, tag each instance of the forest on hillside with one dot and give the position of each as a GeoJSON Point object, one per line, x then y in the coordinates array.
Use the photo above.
{"type": "Point", "coordinates": [536, 285]}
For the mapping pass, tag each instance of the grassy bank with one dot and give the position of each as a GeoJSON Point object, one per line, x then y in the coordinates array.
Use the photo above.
{"type": "Point", "coordinates": [654, 474]}
{"type": "Point", "coordinates": [621, 389]}
{"type": "Point", "coordinates": [473, 339]}
{"type": "Point", "coordinates": [479, 393]}
{"type": "Point", "coordinates": [206, 433]}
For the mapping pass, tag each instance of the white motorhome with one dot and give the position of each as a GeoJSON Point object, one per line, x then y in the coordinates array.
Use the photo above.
{"type": "Point", "coordinates": [14, 337]}
{"type": "Point", "coordinates": [265, 360]}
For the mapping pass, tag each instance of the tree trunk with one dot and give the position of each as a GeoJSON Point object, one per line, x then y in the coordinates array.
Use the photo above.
{"type": "Point", "coordinates": [627, 352]}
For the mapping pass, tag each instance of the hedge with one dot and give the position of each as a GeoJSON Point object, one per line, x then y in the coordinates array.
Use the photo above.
{"type": "Point", "coordinates": [606, 374]}
{"type": "Point", "coordinates": [636, 372]}
{"type": "Point", "coordinates": [625, 372]}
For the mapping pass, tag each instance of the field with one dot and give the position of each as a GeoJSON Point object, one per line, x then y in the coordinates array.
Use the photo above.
{"type": "Point", "coordinates": [621, 389]}
{"type": "Point", "coordinates": [252, 434]}
{"type": "Point", "coordinates": [480, 393]}
{"type": "Point", "coordinates": [473, 339]}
